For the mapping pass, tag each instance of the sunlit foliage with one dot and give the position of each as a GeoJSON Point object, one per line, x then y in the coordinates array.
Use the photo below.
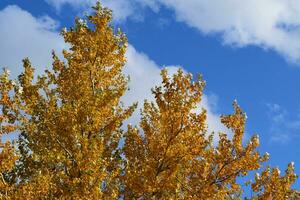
{"type": "Point", "coordinates": [72, 145]}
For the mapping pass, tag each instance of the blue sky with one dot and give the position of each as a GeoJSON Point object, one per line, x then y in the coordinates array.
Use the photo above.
{"type": "Point", "coordinates": [249, 52]}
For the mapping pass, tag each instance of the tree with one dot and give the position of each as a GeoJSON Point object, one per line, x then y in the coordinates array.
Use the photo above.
{"type": "Point", "coordinates": [70, 120]}
{"type": "Point", "coordinates": [175, 158]}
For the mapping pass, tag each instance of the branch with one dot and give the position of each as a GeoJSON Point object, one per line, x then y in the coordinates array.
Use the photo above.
{"type": "Point", "coordinates": [91, 79]}
{"type": "Point", "coordinates": [3, 180]}
{"type": "Point", "coordinates": [187, 189]}
{"type": "Point", "coordinates": [67, 151]}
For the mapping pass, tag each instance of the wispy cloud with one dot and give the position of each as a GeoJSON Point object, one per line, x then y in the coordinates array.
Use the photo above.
{"type": "Point", "coordinates": [122, 9]}
{"type": "Point", "coordinates": [284, 125]}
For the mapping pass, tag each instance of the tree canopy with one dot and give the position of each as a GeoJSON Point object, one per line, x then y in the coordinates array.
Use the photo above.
{"type": "Point", "coordinates": [71, 143]}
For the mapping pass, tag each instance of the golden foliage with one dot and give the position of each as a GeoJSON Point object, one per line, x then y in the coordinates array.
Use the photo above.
{"type": "Point", "coordinates": [8, 115]}
{"type": "Point", "coordinates": [71, 117]}
{"type": "Point", "coordinates": [70, 143]}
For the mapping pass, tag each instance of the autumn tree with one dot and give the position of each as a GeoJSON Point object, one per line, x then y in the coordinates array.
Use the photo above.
{"type": "Point", "coordinates": [70, 144]}
{"type": "Point", "coordinates": [70, 117]}
{"type": "Point", "coordinates": [174, 157]}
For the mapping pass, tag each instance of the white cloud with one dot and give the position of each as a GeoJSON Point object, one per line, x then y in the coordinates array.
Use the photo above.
{"type": "Point", "coordinates": [122, 9]}
{"type": "Point", "coordinates": [23, 35]}
{"type": "Point", "coordinates": [270, 24]}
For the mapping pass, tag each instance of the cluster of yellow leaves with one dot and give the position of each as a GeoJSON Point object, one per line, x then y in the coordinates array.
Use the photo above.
{"type": "Point", "coordinates": [70, 143]}
{"type": "Point", "coordinates": [270, 185]}
{"type": "Point", "coordinates": [8, 115]}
